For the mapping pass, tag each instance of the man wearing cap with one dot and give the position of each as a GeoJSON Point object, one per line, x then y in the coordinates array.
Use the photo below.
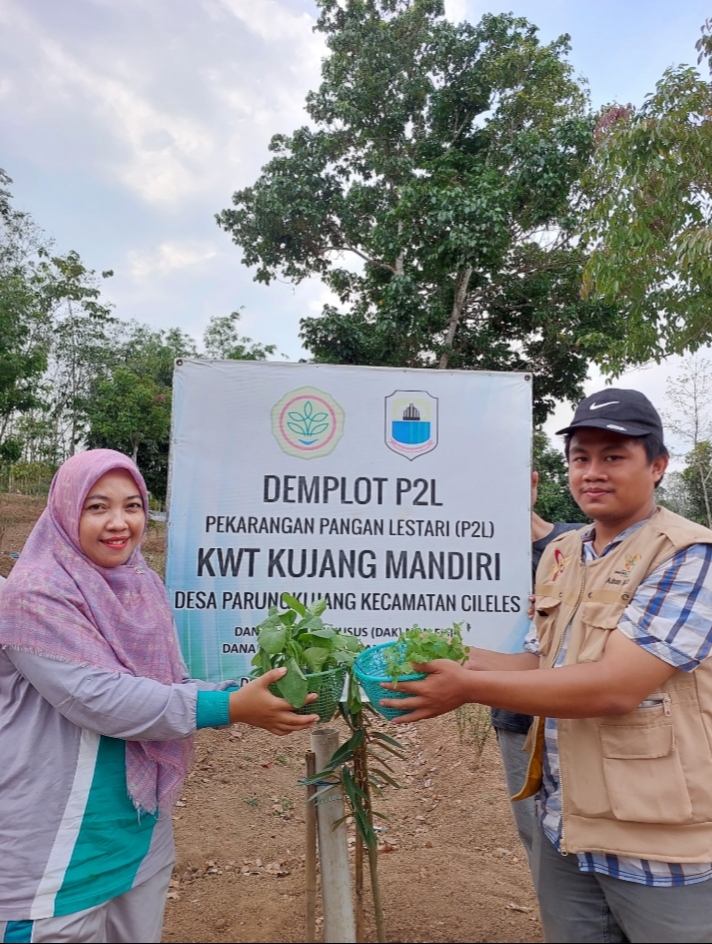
{"type": "Point", "coordinates": [621, 752]}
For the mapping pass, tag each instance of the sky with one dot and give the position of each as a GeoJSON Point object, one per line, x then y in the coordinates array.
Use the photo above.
{"type": "Point", "coordinates": [127, 124]}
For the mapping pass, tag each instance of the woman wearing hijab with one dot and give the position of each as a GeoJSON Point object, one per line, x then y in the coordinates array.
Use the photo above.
{"type": "Point", "coordinates": [97, 717]}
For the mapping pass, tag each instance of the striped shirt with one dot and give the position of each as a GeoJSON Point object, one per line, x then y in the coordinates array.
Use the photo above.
{"type": "Point", "coordinates": [669, 616]}
{"type": "Point", "coordinates": [70, 837]}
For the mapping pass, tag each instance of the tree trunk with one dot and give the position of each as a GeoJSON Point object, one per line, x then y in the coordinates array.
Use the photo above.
{"type": "Point", "coordinates": [463, 280]}
{"type": "Point", "coordinates": [705, 494]}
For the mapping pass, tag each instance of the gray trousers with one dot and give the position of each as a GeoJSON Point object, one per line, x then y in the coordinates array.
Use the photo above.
{"type": "Point", "coordinates": [515, 761]}
{"type": "Point", "coordinates": [588, 908]}
{"type": "Point", "coordinates": [136, 917]}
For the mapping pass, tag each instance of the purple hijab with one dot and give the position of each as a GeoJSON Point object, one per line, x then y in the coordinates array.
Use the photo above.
{"type": "Point", "coordinates": [59, 605]}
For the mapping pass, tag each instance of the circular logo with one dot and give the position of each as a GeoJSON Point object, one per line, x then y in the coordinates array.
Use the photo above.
{"type": "Point", "coordinates": [307, 423]}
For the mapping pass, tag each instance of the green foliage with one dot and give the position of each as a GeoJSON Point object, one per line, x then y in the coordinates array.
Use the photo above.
{"type": "Point", "coordinates": [24, 314]}
{"type": "Point", "coordinates": [697, 477]}
{"type": "Point", "coordinates": [298, 639]}
{"type": "Point", "coordinates": [223, 342]}
{"type": "Point", "coordinates": [688, 416]}
{"type": "Point", "coordinates": [10, 450]}
{"type": "Point", "coordinates": [555, 502]}
{"type": "Point", "coordinates": [474, 726]}
{"type": "Point", "coordinates": [650, 221]}
{"type": "Point", "coordinates": [52, 337]}
{"type": "Point", "coordinates": [129, 407]}
{"type": "Point", "coordinates": [341, 768]}
{"type": "Point", "coordinates": [149, 352]}
{"type": "Point", "coordinates": [673, 494]}
{"type": "Point", "coordinates": [361, 766]}
{"type": "Point", "coordinates": [443, 159]}
{"type": "Point", "coordinates": [78, 346]}
{"type": "Point", "coordinates": [71, 374]}
{"type": "Point", "coordinates": [28, 478]}
{"type": "Point", "coordinates": [128, 410]}
{"type": "Point", "coordinates": [419, 646]}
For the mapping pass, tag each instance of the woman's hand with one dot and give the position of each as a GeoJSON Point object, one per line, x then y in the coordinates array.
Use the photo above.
{"type": "Point", "coordinates": [254, 704]}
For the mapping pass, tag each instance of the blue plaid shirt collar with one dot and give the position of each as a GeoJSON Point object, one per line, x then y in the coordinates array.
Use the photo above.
{"type": "Point", "coordinates": [587, 538]}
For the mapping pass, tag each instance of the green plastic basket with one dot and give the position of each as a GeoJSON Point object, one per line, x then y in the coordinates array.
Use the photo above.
{"type": "Point", "coordinates": [370, 670]}
{"type": "Point", "coordinates": [328, 685]}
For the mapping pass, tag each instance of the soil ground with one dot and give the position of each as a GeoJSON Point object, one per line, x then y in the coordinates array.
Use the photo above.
{"type": "Point", "coordinates": [450, 864]}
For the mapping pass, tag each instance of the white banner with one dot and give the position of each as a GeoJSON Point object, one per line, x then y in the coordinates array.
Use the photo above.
{"type": "Point", "coordinates": [400, 496]}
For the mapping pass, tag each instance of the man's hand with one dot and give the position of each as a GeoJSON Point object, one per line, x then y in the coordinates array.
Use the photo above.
{"type": "Point", "coordinates": [442, 691]}
{"type": "Point", "coordinates": [616, 685]}
{"type": "Point", "coordinates": [530, 608]}
{"type": "Point", "coordinates": [256, 705]}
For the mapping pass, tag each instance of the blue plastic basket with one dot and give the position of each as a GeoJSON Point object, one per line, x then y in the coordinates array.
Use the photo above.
{"type": "Point", "coordinates": [370, 671]}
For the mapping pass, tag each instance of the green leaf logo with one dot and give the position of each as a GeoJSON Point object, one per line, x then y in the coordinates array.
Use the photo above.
{"type": "Point", "coordinates": [307, 423]}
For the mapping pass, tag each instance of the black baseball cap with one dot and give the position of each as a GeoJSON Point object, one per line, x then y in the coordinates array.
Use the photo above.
{"type": "Point", "coordinates": [628, 412]}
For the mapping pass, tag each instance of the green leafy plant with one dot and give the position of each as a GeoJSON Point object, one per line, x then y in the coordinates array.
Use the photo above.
{"type": "Point", "coordinates": [418, 646]}
{"type": "Point", "coordinates": [361, 766]}
{"type": "Point", "coordinates": [298, 639]}
{"type": "Point", "coordinates": [474, 726]}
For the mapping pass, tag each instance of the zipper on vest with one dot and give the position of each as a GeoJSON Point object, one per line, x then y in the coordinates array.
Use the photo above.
{"type": "Point", "coordinates": [562, 844]}
{"type": "Point", "coordinates": [664, 700]}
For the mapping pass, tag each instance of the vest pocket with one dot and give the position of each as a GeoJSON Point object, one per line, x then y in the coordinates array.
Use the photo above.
{"type": "Point", "coordinates": [643, 773]}
{"type": "Point", "coordinates": [546, 611]}
{"type": "Point", "coordinates": [598, 621]}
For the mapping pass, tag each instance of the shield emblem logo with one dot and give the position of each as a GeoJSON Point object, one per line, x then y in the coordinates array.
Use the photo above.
{"type": "Point", "coordinates": [411, 422]}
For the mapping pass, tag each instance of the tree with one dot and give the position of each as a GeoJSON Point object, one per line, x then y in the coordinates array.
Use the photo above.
{"type": "Point", "coordinates": [650, 220]}
{"type": "Point", "coordinates": [554, 500]}
{"type": "Point", "coordinates": [444, 160]}
{"type": "Point", "coordinates": [79, 347]}
{"type": "Point", "coordinates": [697, 477]}
{"type": "Point", "coordinates": [222, 341]}
{"type": "Point", "coordinates": [129, 406]}
{"type": "Point", "coordinates": [150, 352]}
{"type": "Point", "coordinates": [675, 495]}
{"type": "Point", "coordinates": [689, 418]}
{"type": "Point", "coordinates": [52, 337]}
{"type": "Point", "coordinates": [128, 410]}
{"type": "Point", "coordinates": [24, 316]}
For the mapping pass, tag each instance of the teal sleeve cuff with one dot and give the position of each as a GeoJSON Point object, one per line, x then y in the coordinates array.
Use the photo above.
{"type": "Point", "coordinates": [213, 709]}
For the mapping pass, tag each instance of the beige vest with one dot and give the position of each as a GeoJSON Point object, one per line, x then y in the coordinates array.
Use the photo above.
{"type": "Point", "coordinates": [638, 784]}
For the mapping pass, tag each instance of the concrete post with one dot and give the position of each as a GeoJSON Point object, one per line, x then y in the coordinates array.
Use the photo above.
{"type": "Point", "coordinates": [339, 924]}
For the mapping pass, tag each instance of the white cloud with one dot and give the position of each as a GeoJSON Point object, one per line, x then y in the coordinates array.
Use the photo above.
{"type": "Point", "coordinates": [456, 10]}
{"type": "Point", "coordinates": [126, 124]}
{"type": "Point", "coordinates": [169, 257]}
{"type": "Point", "coordinates": [170, 116]}
{"type": "Point", "coordinates": [270, 20]}
{"type": "Point", "coordinates": [156, 146]}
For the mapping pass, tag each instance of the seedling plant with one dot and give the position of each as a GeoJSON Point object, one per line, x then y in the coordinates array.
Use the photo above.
{"type": "Point", "coordinates": [298, 639]}
{"type": "Point", "coordinates": [417, 646]}
{"type": "Point", "coordinates": [362, 767]}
